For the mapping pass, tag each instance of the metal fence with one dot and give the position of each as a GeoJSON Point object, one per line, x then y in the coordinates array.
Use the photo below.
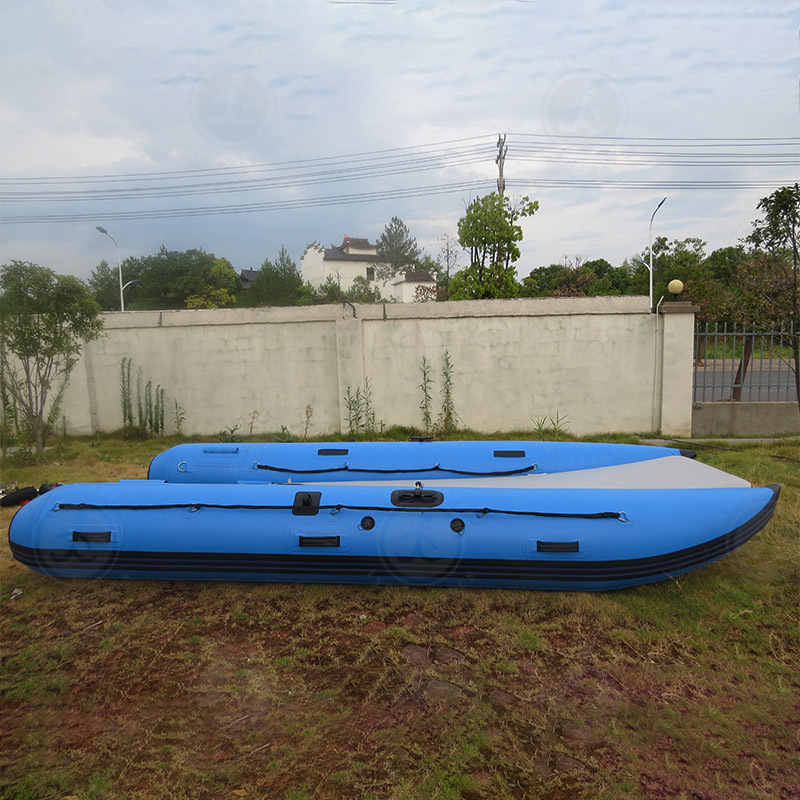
{"type": "Point", "coordinates": [732, 363]}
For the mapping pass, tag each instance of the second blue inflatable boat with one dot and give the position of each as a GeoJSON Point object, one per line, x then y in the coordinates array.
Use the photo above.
{"type": "Point", "coordinates": [418, 460]}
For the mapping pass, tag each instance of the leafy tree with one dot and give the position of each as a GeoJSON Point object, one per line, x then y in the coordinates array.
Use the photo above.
{"type": "Point", "coordinates": [542, 281]}
{"type": "Point", "coordinates": [758, 288]}
{"type": "Point", "coordinates": [779, 227]}
{"type": "Point", "coordinates": [361, 291]}
{"type": "Point", "coordinates": [170, 277]}
{"type": "Point", "coordinates": [578, 278]}
{"type": "Point", "coordinates": [490, 233]}
{"type": "Point", "coordinates": [397, 250]}
{"type": "Point", "coordinates": [575, 282]}
{"type": "Point", "coordinates": [104, 283]}
{"type": "Point", "coordinates": [330, 291]}
{"type": "Point", "coordinates": [723, 264]}
{"type": "Point", "coordinates": [218, 291]}
{"type": "Point", "coordinates": [639, 275]}
{"type": "Point", "coordinates": [681, 259]}
{"type": "Point", "coordinates": [570, 279]}
{"type": "Point", "coordinates": [755, 293]}
{"type": "Point", "coordinates": [278, 283]}
{"type": "Point", "coordinates": [44, 321]}
{"type": "Point", "coordinates": [776, 233]}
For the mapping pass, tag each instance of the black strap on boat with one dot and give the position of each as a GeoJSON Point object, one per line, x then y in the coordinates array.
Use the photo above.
{"type": "Point", "coordinates": [336, 508]}
{"type": "Point", "coordinates": [436, 468]}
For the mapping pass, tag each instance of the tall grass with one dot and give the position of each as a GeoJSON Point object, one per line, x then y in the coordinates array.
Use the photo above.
{"type": "Point", "coordinates": [150, 404]}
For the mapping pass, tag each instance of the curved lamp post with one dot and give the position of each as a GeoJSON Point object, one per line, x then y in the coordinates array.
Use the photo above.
{"type": "Point", "coordinates": [119, 267]}
{"type": "Point", "coordinates": [652, 308]}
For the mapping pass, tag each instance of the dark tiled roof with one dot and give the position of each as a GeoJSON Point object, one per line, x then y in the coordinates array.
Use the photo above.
{"type": "Point", "coordinates": [335, 254]}
{"type": "Point", "coordinates": [247, 277]}
{"type": "Point", "coordinates": [353, 242]}
{"type": "Point", "coordinates": [419, 277]}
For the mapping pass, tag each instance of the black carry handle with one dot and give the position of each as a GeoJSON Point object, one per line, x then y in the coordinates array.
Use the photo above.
{"type": "Point", "coordinates": [91, 536]}
{"type": "Point", "coordinates": [319, 541]}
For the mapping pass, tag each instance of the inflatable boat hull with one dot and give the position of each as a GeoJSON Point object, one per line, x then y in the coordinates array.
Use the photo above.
{"type": "Point", "coordinates": [418, 460]}
{"type": "Point", "coordinates": [577, 531]}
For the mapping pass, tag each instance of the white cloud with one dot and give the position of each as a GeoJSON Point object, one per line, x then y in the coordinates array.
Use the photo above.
{"type": "Point", "coordinates": [101, 86]}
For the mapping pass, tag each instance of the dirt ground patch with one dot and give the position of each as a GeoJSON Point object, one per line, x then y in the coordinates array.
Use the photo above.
{"type": "Point", "coordinates": [683, 690]}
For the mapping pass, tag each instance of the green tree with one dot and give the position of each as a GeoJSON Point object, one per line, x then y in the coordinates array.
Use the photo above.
{"type": "Point", "coordinates": [361, 291]}
{"type": "Point", "coordinates": [490, 233]}
{"type": "Point", "coordinates": [723, 264]}
{"type": "Point", "coordinates": [104, 283]}
{"type": "Point", "coordinates": [577, 278]}
{"type": "Point", "coordinates": [575, 282]}
{"type": "Point", "coordinates": [681, 259]}
{"type": "Point", "coordinates": [218, 291]}
{"type": "Point", "coordinates": [329, 291]}
{"type": "Point", "coordinates": [44, 321]}
{"type": "Point", "coordinates": [542, 281]}
{"type": "Point", "coordinates": [397, 250]}
{"type": "Point", "coordinates": [638, 275]}
{"type": "Point", "coordinates": [277, 284]}
{"type": "Point", "coordinates": [170, 277]}
{"type": "Point", "coordinates": [776, 233]}
{"type": "Point", "coordinates": [758, 288]}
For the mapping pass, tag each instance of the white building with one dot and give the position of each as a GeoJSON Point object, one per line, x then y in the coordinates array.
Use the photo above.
{"type": "Point", "coordinates": [355, 258]}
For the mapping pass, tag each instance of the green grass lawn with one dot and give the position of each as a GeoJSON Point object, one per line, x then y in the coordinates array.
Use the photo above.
{"type": "Point", "coordinates": [686, 689]}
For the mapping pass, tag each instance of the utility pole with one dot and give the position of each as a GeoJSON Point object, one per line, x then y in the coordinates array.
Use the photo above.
{"type": "Point", "coordinates": [500, 161]}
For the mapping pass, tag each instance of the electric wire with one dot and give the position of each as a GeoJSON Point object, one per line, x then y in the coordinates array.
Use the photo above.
{"type": "Point", "coordinates": [369, 155]}
{"type": "Point", "coordinates": [277, 182]}
{"type": "Point", "coordinates": [289, 177]}
{"type": "Point", "coordinates": [296, 203]}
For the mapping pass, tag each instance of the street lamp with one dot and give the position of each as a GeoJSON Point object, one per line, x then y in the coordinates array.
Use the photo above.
{"type": "Point", "coordinates": [119, 267]}
{"type": "Point", "coordinates": [675, 287]}
{"type": "Point", "coordinates": [652, 308]}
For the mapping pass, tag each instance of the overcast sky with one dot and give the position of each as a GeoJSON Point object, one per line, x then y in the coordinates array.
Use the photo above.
{"type": "Point", "coordinates": [96, 88]}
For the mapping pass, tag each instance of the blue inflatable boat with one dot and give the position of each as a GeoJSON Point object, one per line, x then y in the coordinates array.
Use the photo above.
{"type": "Point", "coordinates": [516, 515]}
{"type": "Point", "coordinates": [418, 460]}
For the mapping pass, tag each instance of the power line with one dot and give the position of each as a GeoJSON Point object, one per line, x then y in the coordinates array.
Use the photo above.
{"type": "Point", "coordinates": [577, 151]}
{"type": "Point", "coordinates": [590, 183]}
{"type": "Point", "coordinates": [411, 165]}
{"type": "Point", "coordinates": [549, 141]}
{"type": "Point", "coordinates": [275, 205]}
{"type": "Point", "coordinates": [369, 155]}
{"type": "Point", "coordinates": [706, 141]}
{"type": "Point", "coordinates": [394, 194]}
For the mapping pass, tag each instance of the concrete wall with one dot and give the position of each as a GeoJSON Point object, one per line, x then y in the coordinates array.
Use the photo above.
{"type": "Point", "coordinates": [606, 364]}
{"type": "Point", "coordinates": [745, 419]}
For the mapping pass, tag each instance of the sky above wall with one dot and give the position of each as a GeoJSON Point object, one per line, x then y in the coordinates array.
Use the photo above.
{"type": "Point", "coordinates": [245, 126]}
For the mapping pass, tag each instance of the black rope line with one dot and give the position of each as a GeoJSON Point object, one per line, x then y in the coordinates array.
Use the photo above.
{"type": "Point", "coordinates": [436, 468]}
{"type": "Point", "coordinates": [733, 449]}
{"type": "Point", "coordinates": [620, 515]}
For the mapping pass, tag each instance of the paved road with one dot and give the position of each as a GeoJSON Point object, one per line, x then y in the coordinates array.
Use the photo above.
{"type": "Point", "coordinates": [759, 385]}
